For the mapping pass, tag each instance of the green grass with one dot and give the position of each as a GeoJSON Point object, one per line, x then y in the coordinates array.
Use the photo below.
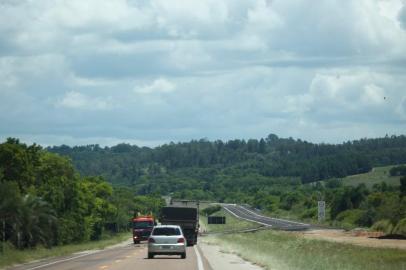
{"type": "Point", "coordinates": [283, 250]}
{"type": "Point", "coordinates": [12, 256]}
{"type": "Point", "coordinates": [376, 176]}
{"type": "Point", "coordinates": [286, 250]}
{"type": "Point", "coordinates": [232, 224]}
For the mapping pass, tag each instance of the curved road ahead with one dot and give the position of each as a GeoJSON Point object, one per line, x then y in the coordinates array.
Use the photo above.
{"type": "Point", "coordinates": [251, 215]}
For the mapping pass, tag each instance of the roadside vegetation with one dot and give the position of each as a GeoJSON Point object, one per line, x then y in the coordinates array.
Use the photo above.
{"type": "Point", "coordinates": [285, 250]}
{"type": "Point", "coordinates": [282, 250]}
{"type": "Point", "coordinates": [45, 203]}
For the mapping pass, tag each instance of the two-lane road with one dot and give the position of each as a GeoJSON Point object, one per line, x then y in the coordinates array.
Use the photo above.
{"type": "Point", "coordinates": [128, 256]}
{"type": "Point", "coordinates": [251, 215]}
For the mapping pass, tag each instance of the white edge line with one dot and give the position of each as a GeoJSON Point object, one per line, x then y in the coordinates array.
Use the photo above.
{"type": "Point", "coordinates": [199, 258]}
{"type": "Point", "coordinates": [65, 260]}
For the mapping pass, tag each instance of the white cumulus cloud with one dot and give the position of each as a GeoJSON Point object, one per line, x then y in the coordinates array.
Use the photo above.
{"type": "Point", "coordinates": [162, 70]}
{"type": "Point", "coordinates": [159, 85]}
{"type": "Point", "coordinates": [77, 100]}
{"type": "Point", "coordinates": [373, 94]}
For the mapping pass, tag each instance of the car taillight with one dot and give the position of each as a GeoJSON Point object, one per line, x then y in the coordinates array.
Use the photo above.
{"type": "Point", "coordinates": [181, 240]}
{"type": "Point", "coordinates": [151, 240]}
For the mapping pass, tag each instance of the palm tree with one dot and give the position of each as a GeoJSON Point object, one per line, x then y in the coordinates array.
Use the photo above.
{"type": "Point", "coordinates": [10, 201]}
{"type": "Point", "coordinates": [25, 221]}
{"type": "Point", "coordinates": [37, 221]}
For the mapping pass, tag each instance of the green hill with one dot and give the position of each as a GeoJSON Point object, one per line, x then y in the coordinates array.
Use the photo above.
{"type": "Point", "coordinates": [202, 161]}
{"type": "Point", "coordinates": [375, 176]}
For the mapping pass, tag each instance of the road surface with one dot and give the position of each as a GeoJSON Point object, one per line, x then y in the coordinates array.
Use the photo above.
{"type": "Point", "coordinates": [251, 215]}
{"type": "Point", "coordinates": [126, 256]}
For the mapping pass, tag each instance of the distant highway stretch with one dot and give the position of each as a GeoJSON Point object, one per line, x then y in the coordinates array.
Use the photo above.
{"type": "Point", "coordinates": [251, 215]}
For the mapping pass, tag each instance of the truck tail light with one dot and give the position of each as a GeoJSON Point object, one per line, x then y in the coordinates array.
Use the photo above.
{"type": "Point", "coordinates": [181, 240]}
{"type": "Point", "coordinates": [151, 240]}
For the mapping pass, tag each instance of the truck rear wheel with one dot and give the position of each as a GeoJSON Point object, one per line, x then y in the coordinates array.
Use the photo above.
{"type": "Point", "coordinates": [150, 255]}
{"type": "Point", "coordinates": [183, 255]}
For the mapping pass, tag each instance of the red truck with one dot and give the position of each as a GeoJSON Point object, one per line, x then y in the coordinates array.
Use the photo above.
{"type": "Point", "coordinates": [142, 227]}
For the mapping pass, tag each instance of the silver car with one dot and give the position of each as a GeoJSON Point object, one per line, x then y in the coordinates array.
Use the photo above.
{"type": "Point", "coordinates": [167, 240]}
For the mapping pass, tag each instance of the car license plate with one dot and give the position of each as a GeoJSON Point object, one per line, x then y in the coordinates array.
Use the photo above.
{"type": "Point", "coordinates": [166, 247]}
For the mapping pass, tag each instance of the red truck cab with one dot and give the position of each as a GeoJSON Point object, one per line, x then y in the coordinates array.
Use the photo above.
{"type": "Point", "coordinates": [142, 227]}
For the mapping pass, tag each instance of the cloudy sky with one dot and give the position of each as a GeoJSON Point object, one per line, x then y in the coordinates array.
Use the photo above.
{"type": "Point", "coordinates": [149, 72]}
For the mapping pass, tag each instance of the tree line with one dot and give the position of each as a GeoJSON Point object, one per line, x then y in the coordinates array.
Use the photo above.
{"type": "Point", "coordinates": [271, 156]}
{"type": "Point", "coordinates": [44, 200]}
{"type": "Point", "coordinates": [277, 175]}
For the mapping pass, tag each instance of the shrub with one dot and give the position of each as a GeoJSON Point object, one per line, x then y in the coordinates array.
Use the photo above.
{"type": "Point", "coordinates": [400, 227]}
{"type": "Point", "coordinates": [383, 225]}
{"type": "Point", "coordinates": [353, 217]}
{"type": "Point", "coordinates": [310, 213]}
{"type": "Point", "coordinates": [398, 171]}
{"type": "Point", "coordinates": [211, 210]}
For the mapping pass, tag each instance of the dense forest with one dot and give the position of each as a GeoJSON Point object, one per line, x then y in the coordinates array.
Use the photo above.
{"type": "Point", "coordinates": [269, 157]}
{"type": "Point", "coordinates": [43, 200]}
{"type": "Point", "coordinates": [278, 175]}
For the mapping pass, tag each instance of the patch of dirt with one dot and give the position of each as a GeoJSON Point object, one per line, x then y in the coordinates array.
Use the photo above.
{"type": "Point", "coordinates": [355, 237]}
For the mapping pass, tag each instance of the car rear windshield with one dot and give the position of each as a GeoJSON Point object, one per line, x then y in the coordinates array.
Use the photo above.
{"type": "Point", "coordinates": [166, 231]}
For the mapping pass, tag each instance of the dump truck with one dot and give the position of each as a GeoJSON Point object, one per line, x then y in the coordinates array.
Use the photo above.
{"type": "Point", "coordinates": [187, 217]}
{"type": "Point", "coordinates": [142, 227]}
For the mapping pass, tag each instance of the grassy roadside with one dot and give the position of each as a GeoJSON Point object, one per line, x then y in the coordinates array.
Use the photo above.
{"type": "Point", "coordinates": [12, 256]}
{"type": "Point", "coordinates": [284, 250]}
{"type": "Point", "coordinates": [281, 250]}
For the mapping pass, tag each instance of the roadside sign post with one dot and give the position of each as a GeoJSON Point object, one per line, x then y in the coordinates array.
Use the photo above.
{"type": "Point", "coordinates": [216, 220]}
{"type": "Point", "coordinates": [321, 210]}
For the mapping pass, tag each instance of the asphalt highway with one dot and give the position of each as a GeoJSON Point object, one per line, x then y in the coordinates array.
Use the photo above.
{"type": "Point", "coordinates": [128, 256]}
{"type": "Point", "coordinates": [243, 212]}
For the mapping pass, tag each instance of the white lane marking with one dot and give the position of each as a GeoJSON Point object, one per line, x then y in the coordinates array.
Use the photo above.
{"type": "Point", "coordinates": [65, 260]}
{"type": "Point", "coordinates": [288, 221]}
{"type": "Point", "coordinates": [265, 217]}
{"type": "Point", "coordinates": [199, 259]}
{"type": "Point", "coordinates": [228, 210]}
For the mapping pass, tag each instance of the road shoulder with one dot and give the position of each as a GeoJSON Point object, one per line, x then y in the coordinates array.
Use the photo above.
{"type": "Point", "coordinates": [54, 260]}
{"type": "Point", "coordinates": [220, 260]}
